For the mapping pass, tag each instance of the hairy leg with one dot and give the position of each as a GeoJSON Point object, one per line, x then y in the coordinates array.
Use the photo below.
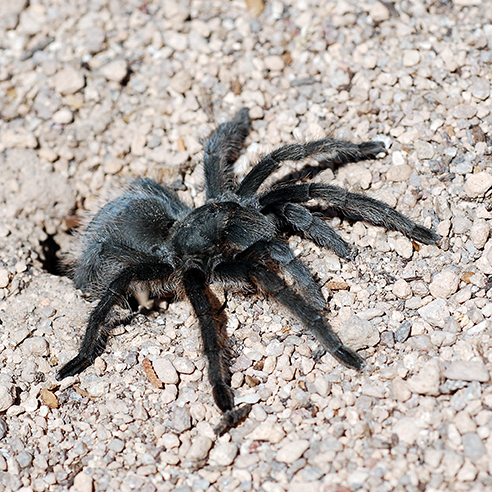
{"type": "Point", "coordinates": [278, 255]}
{"type": "Point", "coordinates": [314, 229]}
{"type": "Point", "coordinates": [218, 371]}
{"type": "Point", "coordinates": [329, 149]}
{"type": "Point", "coordinates": [354, 206]}
{"type": "Point", "coordinates": [96, 334]}
{"type": "Point", "coordinates": [221, 150]}
{"type": "Point", "coordinates": [274, 286]}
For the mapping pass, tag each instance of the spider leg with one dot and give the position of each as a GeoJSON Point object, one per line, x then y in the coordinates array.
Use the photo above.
{"type": "Point", "coordinates": [314, 229]}
{"type": "Point", "coordinates": [280, 255]}
{"type": "Point", "coordinates": [96, 335]}
{"type": "Point", "coordinates": [221, 150]}
{"type": "Point", "coordinates": [218, 372]}
{"type": "Point", "coordinates": [354, 206]}
{"type": "Point", "coordinates": [337, 151]}
{"type": "Point", "coordinates": [170, 202]}
{"type": "Point", "coordinates": [271, 284]}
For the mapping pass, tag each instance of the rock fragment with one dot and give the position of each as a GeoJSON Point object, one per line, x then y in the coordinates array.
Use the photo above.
{"type": "Point", "coordinates": [467, 371]}
{"type": "Point", "coordinates": [69, 80]}
{"type": "Point", "coordinates": [358, 333]}
{"type": "Point", "coordinates": [444, 284]}
{"type": "Point", "coordinates": [426, 382]}
{"type": "Point", "coordinates": [292, 451]}
{"type": "Point", "coordinates": [478, 184]}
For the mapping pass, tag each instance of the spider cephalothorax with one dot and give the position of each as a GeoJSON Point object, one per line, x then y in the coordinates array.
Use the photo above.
{"type": "Point", "coordinates": [148, 236]}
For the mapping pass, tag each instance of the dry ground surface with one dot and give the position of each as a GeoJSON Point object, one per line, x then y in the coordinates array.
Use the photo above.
{"type": "Point", "coordinates": [96, 92]}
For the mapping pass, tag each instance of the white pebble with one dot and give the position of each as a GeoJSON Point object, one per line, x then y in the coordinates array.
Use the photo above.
{"type": "Point", "coordinates": [411, 58]}
{"type": "Point", "coordinates": [427, 381]}
{"type": "Point", "coordinates": [6, 397]}
{"type": "Point", "coordinates": [4, 278]}
{"type": "Point", "coordinates": [115, 70]}
{"type": "Point", "coordinates": [402, 289]}
{"type": "Point", "coordinates": [98, 389]}
{"type": "Point", "coordinates": [292, 451]}
{"type": "Point", "coordinates": [467, 371]}
{"type": "Point", "coordinates": [165, 371]}
{"type": "Point", "coordinates": [358, 333]}
{"type": "Point", "coordinates": [83, 482]}
{"type": "Point", "coordinates": [444, 284]}
{"type": "Point", "coordinates": [399, 173]}
{"type": "Point", "coordinates": [35, 346]}
{"type": "Point", "coordinates": [199, 449]}
{"type": "Point", "coordinates": [63, 116]}
{"type": "Point", "coordinates": [379, 12]}
{"type": "Point", "coordinates": [224, 453]}
{"type": "Point", "coordinates": [184, 365]}
{"type": "Point", "coordinates": [479, 233]}
{"type": "Point", "coordinates": [407, 430]}
{"type": "Point", "coordinates": [404, 247]}
{"type": "Point", "coordinates": [478, 184]}
{"type": "Point", "coordinates": [69, 80]}
{"type": "Point", "coordinates": [435, 312]}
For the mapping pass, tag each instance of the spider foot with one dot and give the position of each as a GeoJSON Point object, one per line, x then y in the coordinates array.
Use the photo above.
{"type": "Point", "coordinates": [224, 397]}
{"type": "Point", "coordinates": [232, 418]}
{"type": "Point", "coordinates": [75, 366]}
{"type": "Point", "coordinates": [372, 148]}
{"type": "Point", "coordinates": [424, 235]}
{"type": "Point", "coordinates": [349, 358]}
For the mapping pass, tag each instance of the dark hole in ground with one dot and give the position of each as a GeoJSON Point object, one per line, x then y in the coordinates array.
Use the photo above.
{"type": "Point", "coordinates": [49, 258]}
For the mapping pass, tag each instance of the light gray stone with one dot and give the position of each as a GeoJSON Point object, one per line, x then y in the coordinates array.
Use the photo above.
{"type": "Point", "coordinates": [478, 184]}
{"type": "Point", "coordinates": [224, 453]}
{"type": "Point", "coordinates": [358, 333]}
{"type": "Point", "coordinates": [69, 80]}
{"type": "Point", "coordinates": [115, 70]}
{"type": "Point", "coordinates": [427, 381]}
{"type": "Point", "coordinates": [467, 371]}
{"type": "Point", "coordinates": [444, 284]}
{"type": "Point", "coordinates": [165, 371]}
{"type": "Point", "coordinates": [200, 446]}
{"type": "Point", "coordinates": [292, 451]}
{"type": "Point", "coordinates": [435, 312]}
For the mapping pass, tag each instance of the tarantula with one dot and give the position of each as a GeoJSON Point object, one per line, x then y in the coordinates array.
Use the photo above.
{"type": "Point", "coordinates": [149, 237]}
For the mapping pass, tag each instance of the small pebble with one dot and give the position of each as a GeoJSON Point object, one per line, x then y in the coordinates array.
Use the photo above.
{"type": "Point", "coordinates": [467, 371]}
{"type": "Point", "coordinates": [435, 312]}
{"type": "Point", "coordinates": [473, 446]}
{"type": "Point", "coordinates": [115, 70]}
{"type": "Point", "coordinates": [444, 284]}
{"type": "Point", "coordinates": [181, 419]}
{"type": "Point", "coordinates": [427, 381]}
{"type": "Point", "coordinates": [6, 397]}
{"type": "Point", "coordinates": [69, 80]}
{"type": "Point", "coordinates": [184, 365]}
{"type": "Point", "coordinates": [479, 233]}
{"type": "Point", "coordinates": [4, 278]}
{"type": "Point", "coordinates": [83, 482]}
{"type": "Point", "coordinates": [199, 449]}
{"type": "Point", "coordinates": [358, 333]}
{"type": "Point", "coordinates": [478, 184]}
{"type": "Point", "coordinates": [24, 459]}
{"type": "Point", "coordinates": [402, 289]}
{"type": "Point", "coordinates": [411, 58]}
{"type": "Point", "coordinates": [403, 332]}
{"type": "Point", "coordinates": [404, 247]}
{"type": "Point", "coordinates": [224, 453]}
{"type": "Point", "coordinates": [165, 371]}
{"type": "Point", "coordinates": [292, 451]}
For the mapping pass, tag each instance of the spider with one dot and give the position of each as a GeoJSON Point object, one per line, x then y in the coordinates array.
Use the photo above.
{"type": "Point", "coordinates": [148, 237]}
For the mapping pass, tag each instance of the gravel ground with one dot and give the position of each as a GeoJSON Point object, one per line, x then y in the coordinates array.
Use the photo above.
{"type": "Point", "coordinates": [94, 93]}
